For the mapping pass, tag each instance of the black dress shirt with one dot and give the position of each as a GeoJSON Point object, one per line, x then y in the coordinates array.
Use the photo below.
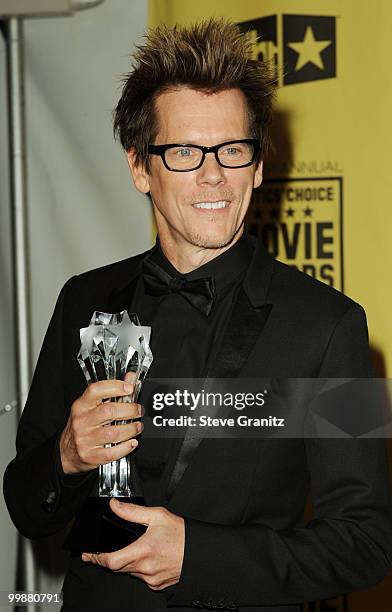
{"type": "Point", "coordinates": [182, 337]}
{"type": "Point", "coordinates": [184, 341]}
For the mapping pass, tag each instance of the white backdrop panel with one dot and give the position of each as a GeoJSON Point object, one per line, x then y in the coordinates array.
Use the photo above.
{"type": "Point", "coordinates": [83, 210]}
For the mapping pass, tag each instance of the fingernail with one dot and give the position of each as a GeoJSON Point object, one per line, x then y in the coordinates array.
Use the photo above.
{"type": "Point", "coordinates": [84, 557]}
{"type": "Point", "coordinates": [134, 443]}
{"type": "Point", "coordinates": [140, 410]}
{"type": "Point", "coordinates": [139, 427]}
{"type": "Point", "coordinates": [128, 388]}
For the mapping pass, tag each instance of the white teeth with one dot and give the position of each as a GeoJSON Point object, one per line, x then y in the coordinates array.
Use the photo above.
{"type": "Point", "coordinates": [211, 205]}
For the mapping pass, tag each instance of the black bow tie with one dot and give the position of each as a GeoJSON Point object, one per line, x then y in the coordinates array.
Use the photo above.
{"type": "Point", "coordinates": [199, 292]}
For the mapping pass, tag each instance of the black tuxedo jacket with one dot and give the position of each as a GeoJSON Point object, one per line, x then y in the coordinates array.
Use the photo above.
{"type": "Point", "coordinates": [247, 546]}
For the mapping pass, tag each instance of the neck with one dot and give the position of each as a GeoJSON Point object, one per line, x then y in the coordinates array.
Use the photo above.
{"type": "Point", "coordinates": [188, 257]}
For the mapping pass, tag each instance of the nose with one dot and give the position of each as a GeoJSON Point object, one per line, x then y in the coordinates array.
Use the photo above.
{"type": "Point", "coordinates": [211, 172]}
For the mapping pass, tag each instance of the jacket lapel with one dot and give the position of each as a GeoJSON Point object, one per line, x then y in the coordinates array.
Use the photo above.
{"type": "Point", "coordinates": [246, 322]}
{"type": "Point", "coordinates": [243, 329]}
{"type": "Point", "coordinates": [122, 290]}
{"type": "Point", "coordinates": [120, 298]}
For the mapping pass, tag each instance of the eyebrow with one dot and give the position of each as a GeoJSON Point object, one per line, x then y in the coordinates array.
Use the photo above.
{"type": "Point", "coordinates": [189, 142]}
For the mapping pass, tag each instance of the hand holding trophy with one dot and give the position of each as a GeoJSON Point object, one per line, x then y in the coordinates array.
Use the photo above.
{"type": "Point", "coordinates": [115, 357]}
{"type": "Point", "coordinates": [116, 347]}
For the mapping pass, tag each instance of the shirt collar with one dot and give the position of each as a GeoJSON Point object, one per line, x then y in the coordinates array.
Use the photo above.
{"type": "Point", "coordinates": [224, 268]}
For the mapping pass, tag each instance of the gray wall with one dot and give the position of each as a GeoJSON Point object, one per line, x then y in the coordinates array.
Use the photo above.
{"type": "Point", "coordinates": [83, 211]}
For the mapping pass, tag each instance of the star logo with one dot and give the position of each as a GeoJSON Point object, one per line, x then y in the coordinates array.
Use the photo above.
{"type": "Point", "coordinates": [307, 211]}
{"type": "Point", "coordinates": [309, 50]}
{"type": "Point", "coordinates": [290, 212]}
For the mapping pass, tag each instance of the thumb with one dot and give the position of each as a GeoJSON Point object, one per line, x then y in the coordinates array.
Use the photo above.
{"type": "Point", "coordinates": [131, 512]}
{"type": "Point", "coordinates": [130, 378]}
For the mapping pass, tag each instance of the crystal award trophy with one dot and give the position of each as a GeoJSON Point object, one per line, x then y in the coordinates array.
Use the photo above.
{"type": "Point", "coordinates": [112, 346]}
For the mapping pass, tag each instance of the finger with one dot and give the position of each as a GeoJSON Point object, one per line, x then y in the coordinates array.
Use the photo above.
{"type": "Point", "coordinates": [103, 389]}
{"type": "Point", "coordinates": [116, 411]}
{"type": "Point", "coordinates": [96, 558]}
{"type": "Point", "coordinates": [130, 378]}
{"type": "Point", "coordinates": [115, 434]}
{"type": "Point", "coordinates": [132, 512]}
{"type": "Point", "coordinates": [100, 456]}
{"type": "Point", "coordinates": [119, 560]}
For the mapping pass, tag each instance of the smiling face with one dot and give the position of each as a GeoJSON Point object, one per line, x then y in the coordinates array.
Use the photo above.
{"type": "Point", "coordinates": [202, 209]}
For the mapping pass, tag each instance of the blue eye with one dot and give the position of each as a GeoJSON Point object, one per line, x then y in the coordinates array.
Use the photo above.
{"type": "Point", "coordinates": [184, 152]}
{"type": "Point", "coordinates": [232, 151]}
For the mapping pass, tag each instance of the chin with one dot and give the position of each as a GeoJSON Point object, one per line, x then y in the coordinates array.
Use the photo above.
{"type": "Point", "coordinates": [212, 241]}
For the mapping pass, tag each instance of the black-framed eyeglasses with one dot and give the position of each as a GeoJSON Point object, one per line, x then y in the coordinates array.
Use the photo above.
{"type": "Point", "coordinates": [186, 157]}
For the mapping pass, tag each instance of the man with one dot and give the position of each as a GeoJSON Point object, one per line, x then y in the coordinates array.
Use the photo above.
{"type": "Point", "coordinates": [224, 517]}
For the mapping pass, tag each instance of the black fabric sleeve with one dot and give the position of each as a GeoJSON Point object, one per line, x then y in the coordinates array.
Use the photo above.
{"type": "Point", "coordinates": [41, 499]}
{"type": "Point", "coordinates": [346, 546]}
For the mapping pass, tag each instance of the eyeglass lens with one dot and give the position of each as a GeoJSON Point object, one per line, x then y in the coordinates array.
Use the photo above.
{"type": "Point", "coordinates": [230, 154]}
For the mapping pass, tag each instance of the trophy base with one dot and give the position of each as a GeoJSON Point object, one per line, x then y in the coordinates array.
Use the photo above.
{"type": "Point", "coordinates": [98, 529]}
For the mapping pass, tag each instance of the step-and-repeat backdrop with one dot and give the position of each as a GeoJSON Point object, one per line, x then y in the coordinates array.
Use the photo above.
{"type": "Point", "coordinates": [325, 204]}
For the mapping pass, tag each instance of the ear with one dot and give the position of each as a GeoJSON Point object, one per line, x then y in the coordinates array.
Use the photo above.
{"type": "Point", "coordinates": [139, 173]}
{"type": "Point", "coordinates": [258, 177]}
